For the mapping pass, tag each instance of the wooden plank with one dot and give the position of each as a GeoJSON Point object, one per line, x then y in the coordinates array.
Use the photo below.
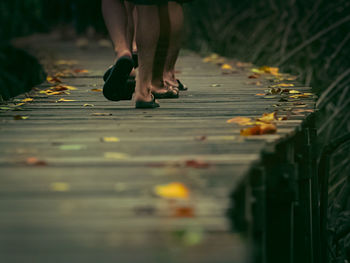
{"type": "Point", "coordinates": [109, 212]}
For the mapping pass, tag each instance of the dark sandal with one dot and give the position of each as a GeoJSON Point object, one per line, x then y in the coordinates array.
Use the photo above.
{"type": "Point", "coordinates": [136, 64]}
{"type": "Point", "coordinates": [181, 86]}
{"type": "Point", "coordinates": [170, 94]}
{"type": "Point", "coordinates": [108, 72]}
{"type": "Point", "coordinates": [147, 104]}
{"type": "Point", "coordinates": [116, 87]}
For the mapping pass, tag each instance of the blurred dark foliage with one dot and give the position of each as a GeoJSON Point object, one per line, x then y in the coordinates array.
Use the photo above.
{"type": "Point", "coordinates": [19, 72]}
{"type": "Point", "coordinates": [308, 38]}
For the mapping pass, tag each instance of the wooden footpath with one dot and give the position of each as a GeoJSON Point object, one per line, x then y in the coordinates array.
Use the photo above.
{"type": "Point", "coordinates": [70, 194]}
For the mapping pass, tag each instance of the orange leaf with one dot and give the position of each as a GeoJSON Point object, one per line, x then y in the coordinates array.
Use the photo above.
{"type": "Point", "coordinates": [96, 90]}
{"type": "Point", "coordinates": [268, 129]}
{"type": "Point", "coordinates": [81, 71]}
{"type": "Point", "coordinates": [259, 130]}
{"type": "Point", "coordinates": [184, 212]}
{"type": "Point", "coordinates": [173, 191]}
{"type": "Point", "coordinates": [251, 131]}
{"type": "Point", "coordinates": [35, 161]}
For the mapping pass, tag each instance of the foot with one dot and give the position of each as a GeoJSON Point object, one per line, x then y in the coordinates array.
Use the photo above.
{"type": "Point", "coordinates": [146, 103]}
{"type": "Point", "coordinates": [167, 92]}
{"type": "Point", "coordinates": [170, 80]}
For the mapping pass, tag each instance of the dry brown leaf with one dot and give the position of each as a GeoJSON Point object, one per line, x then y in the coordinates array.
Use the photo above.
{"type": "Point", "coordinates": [254, 76]}
{"type": "Point", "coordinates": [197, 164]}
{"type": "Point", "coordinates": [184, 212]}
{"type": "Point", "coordinates": [96, 90]}
{"type": "Point", "coordinates": [200, 138]}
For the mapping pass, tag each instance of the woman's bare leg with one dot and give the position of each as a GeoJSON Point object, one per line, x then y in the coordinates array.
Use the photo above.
{"type": "Point", "coordinates": [176, 17]}
{"type": "Point", "coordinates": [146, 38]}
{"type": "Point", "coordinates": [162, 49]}
{"type": "Point", "coordinates": [116, 18]}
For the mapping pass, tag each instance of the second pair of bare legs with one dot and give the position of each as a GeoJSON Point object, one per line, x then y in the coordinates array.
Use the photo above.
{"type": "Point", "coordinates": [158, 41]}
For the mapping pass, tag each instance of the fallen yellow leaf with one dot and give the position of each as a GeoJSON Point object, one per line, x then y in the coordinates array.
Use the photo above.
{"type": "Point", "coordinates": [64, 100]}
{"type": "Point", "coordinates": [88, 105]}
{"type": "Point", "coordinates": [60, 187]}
{"type": "Point", "coordinates": [110, 139]}
{"type": "Point", "coordinates": [283, 85]}
{"type": "Point", "coordinates": [211, 58]}
{"type": "Point", "coordinates": [226, 67]}
{"type": "Point", "coordinates": [27, 100]}
{"type": "Point", "coordinates": [19, 117]}
{"type": "Point", "coordinates": [66, 62]}
{"type": "Point", "coordinates": [240, 120]}
{"type": "Point", "coordinates": [172, 191]}
{"type": "Point", "coordinates": [268, 117]}
{"type": "Point", "coordinates": [294, 92]}
{"type": "Point", "coordinates": [270, 70]}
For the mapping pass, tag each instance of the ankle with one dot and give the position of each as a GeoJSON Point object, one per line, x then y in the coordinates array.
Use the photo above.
{"type": "Point", "coordinates": [122, 53]}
